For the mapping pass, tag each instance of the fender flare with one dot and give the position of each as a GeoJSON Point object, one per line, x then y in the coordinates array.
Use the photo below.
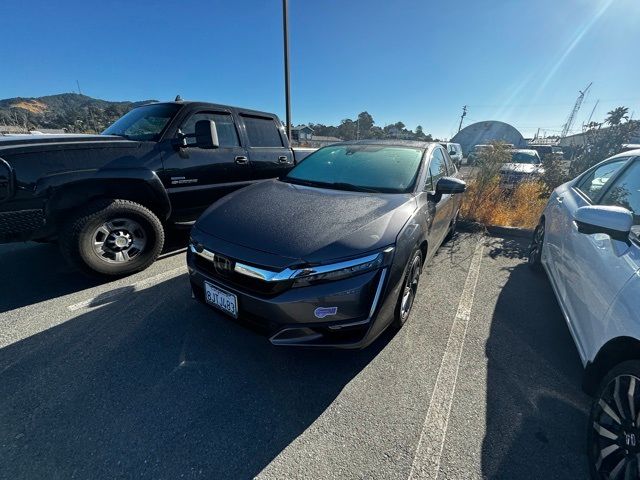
{"type": "Point", "coordinates": [67, 191]}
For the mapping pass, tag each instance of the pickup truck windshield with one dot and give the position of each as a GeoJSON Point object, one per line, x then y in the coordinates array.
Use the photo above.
{"type": "Point", "coordinates": [367, 168]}
{"type": "Point", "coordinates": [143, 123]}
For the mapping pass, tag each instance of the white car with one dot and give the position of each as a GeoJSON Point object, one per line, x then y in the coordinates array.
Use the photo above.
{"type": "Point", "coordinates": [455, 152]}
{"type": "Point", "coordinates": [588, 241]}
{"type": "Point", "coordinates": [524, 165]}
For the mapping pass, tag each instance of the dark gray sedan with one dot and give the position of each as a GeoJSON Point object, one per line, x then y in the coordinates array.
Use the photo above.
{"type": "Point", "coordinates": [329, 255]}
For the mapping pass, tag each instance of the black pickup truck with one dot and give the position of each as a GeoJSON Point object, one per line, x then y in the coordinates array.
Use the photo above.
{"type": "Point", "coordinates": [107, 198]}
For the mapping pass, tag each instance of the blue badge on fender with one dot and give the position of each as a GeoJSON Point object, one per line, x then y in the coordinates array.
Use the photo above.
{"type": "Point", "coordinates": [322, 312]}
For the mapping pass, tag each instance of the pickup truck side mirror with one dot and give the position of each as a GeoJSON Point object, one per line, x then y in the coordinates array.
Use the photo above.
{"type": "Point", "coordinates": [452, 152]}
{"type": "Point", "coordinates": [206, 134]}
{"type": "Point", "coordinates": [611, 220]}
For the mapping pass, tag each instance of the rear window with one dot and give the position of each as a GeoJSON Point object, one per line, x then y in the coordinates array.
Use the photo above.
{"type": "Point", "coordinates": [262, 132]}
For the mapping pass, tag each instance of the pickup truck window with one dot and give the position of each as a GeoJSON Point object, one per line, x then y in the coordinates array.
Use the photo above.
{"type": "Point", "coordinates": [227, 134]}
{"type": "Point", "coordinates": [143, 123]}
{"type": "Point", "coordinates": [262, 132]}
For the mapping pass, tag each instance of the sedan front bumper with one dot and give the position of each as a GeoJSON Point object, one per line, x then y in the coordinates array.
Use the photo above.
{"type": "Point", "coordinates": [336, 314]}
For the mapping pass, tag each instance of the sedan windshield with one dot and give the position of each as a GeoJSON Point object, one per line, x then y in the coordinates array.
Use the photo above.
{"type": "Point", "coordinates": [368, 168]}
{"type": "Point", "coordinates": [143, 123]}
{"type": "Point", "coordinates": [524, 157]}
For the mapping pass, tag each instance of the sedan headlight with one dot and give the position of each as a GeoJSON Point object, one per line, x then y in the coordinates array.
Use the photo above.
{"type": "Point", "coordinates": [341, 270]}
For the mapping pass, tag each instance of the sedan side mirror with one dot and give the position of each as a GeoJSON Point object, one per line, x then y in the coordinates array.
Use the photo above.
{"type": "Point", "coordinates": [206, 134]}
{"type": "Point", "coordinates": [449, 186]}
{"type": "Point", "coordinates": [611, 220]}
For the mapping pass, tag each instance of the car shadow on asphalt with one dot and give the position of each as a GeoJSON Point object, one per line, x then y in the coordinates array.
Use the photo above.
{"type": "Point", "coordinates": [536, 412]}
{"type": "Point", "coordinates": [156, 385]}
{"type": "Point", "coordinates": [35, 272]}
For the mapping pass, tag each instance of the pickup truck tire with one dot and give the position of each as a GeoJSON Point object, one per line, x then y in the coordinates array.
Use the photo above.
{"type": "Point", "coordinates": [112, 238]}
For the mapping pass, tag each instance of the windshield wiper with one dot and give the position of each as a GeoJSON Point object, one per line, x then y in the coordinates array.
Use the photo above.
{"type": "Point", "coordinates": [334, 185]}
{"type": "Point", "coordinates": [351, 186]}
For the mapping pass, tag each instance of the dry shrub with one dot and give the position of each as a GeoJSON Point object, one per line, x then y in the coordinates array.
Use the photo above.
{"type": "Point", "coordinates": [490, 204]}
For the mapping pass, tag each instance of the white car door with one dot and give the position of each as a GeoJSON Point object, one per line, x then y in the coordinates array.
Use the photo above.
{"type": "Point", "coordinates": [594, 268]}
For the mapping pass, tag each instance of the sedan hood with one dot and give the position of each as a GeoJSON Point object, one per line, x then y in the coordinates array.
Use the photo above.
{"type": "Point", "coordinates": [307, 223]}
{"type": "Point", "coordinates": [520, 168]}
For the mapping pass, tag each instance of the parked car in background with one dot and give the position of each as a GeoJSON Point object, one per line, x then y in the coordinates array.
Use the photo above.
{"type": "Point", "coordinates": [547, 150]}
{"type": "Point", "coordinates": [588, 241]}
{"type": "Point", "coordinates": [107, 198]}
{"type": "Point", "coordinates": [334, 257]}
{"type": "Point", "coordinates": [472, 158]}
{"type": "Point", "coordinates": [524, 165]}
{"type": "Point", "coordinates": [455, 152]}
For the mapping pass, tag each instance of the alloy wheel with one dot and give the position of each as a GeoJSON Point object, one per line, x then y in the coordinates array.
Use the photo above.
{"type": "Point", "coordinates": [410, 288]}
{"type": "Point", "coordinates": [615, 442]}
{"type": "Point", "coordinates": [119, 240]}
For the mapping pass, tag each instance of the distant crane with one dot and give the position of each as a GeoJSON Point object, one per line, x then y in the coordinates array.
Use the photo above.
{"type": "Point", "coordinates": [572, 116]}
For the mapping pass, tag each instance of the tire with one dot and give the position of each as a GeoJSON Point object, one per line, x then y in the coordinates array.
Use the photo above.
{"type": "Point", "coordinates": [409, 286]}
{"type": "Point", "coordinates": [534, 259]}
{"type": "Point", "coordinates": [618, 439]}
{"type": "Point", "coordinates": [112, 238]}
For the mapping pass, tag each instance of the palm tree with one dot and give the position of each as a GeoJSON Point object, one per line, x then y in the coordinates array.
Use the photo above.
{"type": "Point", "coordinates": [615, 116]}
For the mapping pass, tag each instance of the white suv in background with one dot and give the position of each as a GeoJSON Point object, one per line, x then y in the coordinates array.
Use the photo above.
{"type": "Point", "coordinates": [588, 242]}
{"type": "Point", "coordinates": [455, 152]}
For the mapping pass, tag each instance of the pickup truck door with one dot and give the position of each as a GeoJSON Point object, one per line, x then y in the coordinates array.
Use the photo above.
{"type": "Point", "coordinates": [267, 146]}
{"type": "Point", "coordinates": [196, 177]}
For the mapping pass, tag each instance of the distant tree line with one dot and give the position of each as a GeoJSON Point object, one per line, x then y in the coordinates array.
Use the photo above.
{"type": "Point", "coordinates": [364, 127]}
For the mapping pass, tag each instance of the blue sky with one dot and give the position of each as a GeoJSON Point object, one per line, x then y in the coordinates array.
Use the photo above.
{"type": "Point", "coordinates": [417, 61]}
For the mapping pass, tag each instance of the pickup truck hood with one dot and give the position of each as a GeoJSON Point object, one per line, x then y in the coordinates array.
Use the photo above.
{"type": "Point", "coordinates": [306, 223]}
{"type": "Point", "coordinates": [520, 168]}
{"type": "Point", "coordinates": [55, 142]}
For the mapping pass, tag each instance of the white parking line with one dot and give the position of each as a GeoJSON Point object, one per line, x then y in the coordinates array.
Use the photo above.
{"type": "Point", "coordinates": [135, 287]}
{"type": "Point", "coordinates": [426, 462]}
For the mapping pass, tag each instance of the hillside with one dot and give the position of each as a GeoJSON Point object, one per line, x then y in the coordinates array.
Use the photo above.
{"type": "Point", "coordinates": [71, 111]}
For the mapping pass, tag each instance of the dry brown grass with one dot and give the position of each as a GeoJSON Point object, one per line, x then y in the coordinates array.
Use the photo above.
{"type": "Point", "coordinates": [489, 204]}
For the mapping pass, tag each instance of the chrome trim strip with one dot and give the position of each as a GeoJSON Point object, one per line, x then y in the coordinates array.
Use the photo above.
{"type": "Point", "coordinates": [374, 304]}
{"type": "Point", "coordinates": [287, 273]}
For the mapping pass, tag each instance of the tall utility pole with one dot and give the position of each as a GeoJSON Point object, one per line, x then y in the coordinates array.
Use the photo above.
{"type": "Point", "coordinates": [464, 114]}
{"type": "Point", "coordinates": [79, 91]}
{"type": "Point", "coordinates": [287, 95]}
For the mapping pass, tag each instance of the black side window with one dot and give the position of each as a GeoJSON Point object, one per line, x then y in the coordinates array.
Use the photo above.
{"type": "Point", "coordinates": [592, 184]}
{"type": "Point", "coordinates": [262, 132]}
{"type": "Point", "coordinates": [625, 192]}
{"type": "Point", "coordinates": [227, 134]}
{"type": "Point", "coordinates": [437, 167]}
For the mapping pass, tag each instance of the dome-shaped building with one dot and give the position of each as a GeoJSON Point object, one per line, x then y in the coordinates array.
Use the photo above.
{"type": "Point", "coordinates": [486, 132]}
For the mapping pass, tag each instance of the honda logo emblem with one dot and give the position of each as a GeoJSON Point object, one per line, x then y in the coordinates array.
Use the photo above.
{"type": "Point", "coordinates": [222, 265]}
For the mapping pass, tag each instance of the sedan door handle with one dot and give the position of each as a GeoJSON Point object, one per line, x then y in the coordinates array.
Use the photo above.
{"type": "Point", "coordinates": [283, 159]}
{"type": "Point", "coordinates": [242, 160]}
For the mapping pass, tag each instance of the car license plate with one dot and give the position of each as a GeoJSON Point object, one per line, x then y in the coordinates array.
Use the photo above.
{"type": "Point", "coordinates": [225, 301]}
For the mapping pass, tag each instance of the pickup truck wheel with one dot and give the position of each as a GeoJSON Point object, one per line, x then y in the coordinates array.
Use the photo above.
{"type": "Point", "coordinates": [112, 238]}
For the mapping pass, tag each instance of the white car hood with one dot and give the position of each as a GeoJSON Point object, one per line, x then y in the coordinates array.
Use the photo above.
{"type": "Point", "coordinates": [521, 168]}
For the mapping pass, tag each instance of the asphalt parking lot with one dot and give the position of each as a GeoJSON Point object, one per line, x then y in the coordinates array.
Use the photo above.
{"type": "Point", "coordinates": [135, 379]}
